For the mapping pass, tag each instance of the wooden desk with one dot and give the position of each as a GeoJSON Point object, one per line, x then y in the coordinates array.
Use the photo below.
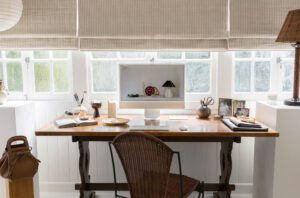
{"type": "Point", "coordinates": [198, 131]}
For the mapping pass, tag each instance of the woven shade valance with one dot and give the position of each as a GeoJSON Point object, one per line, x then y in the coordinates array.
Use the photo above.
{"type": "Point", "coordinates": [255, 43]}
{"type": "Point", "coordinates": [43, 19]}
{"type": "Point", "coordinates": [39, 43]}
{"type": "Point", "coordinates": [152, 44]}
{"type": "Point", "coordinates": [259, 18]}
{"type": "Point", "coordinates": [153, 19]}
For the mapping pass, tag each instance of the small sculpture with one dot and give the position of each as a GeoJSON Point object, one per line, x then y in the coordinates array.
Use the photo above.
{"type": "Point", "coordinates": [168, 85]}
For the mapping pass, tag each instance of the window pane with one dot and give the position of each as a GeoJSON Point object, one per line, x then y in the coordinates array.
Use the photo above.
{"type": "Point", "coordinates": [61, 80]}
{"type": "Point", "coordinates": [198, 77]}
{"type": "Point", "coordinates": [242, 76]}
{"type": "Point", "coordinates": [42, 77]}
{"type": "Point", "coordinates": [13, 54]}
{"type": "Point", "coordinates": [104, 76]}
{"type": "Point", "coordinates": [287, 54]}
{"type": "Point", "coordinates": [288, 76]}
{"type": "Point", "coordinates": [197, 55]}
{"type": "Point", "coordinates": [169, 55]}
{"type": "Point", "coordinates": [104, 54]}
{"type": "Point", "coordinates": [1, 71]}
{"type": "Point", "coordinates": [40, 54]}
{"type": "Point", "coordinates": [133, 55]}
{"type": "Point", "coordinates": [60, 54]}
{"type": "Point", "coordinates": [263, 54]}
{"type": "Point", "coordinates": [243, 54]}
{"type": "Point", "coordinates": [262, 76]}
{"type": "Point", "coordinates": [14, 76]}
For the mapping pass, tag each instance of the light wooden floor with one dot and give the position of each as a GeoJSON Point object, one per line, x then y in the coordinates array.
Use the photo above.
{"type": "Point", "coordinates": [110, 195]}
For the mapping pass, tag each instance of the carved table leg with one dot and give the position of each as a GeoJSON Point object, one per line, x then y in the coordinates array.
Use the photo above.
{"type": "Point", "coordinates": [84, 164]}
{"type": "Point", "coordinates": [226, 167]}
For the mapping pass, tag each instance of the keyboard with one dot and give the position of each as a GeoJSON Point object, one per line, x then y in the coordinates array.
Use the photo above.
{"type": "Point", "coordinates": [148, 128]}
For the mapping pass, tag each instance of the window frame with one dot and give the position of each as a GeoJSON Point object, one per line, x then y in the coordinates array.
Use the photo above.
{"type": "Point", "coordinates": [29, 92]}
{"type": "Point", "coordinates": [52, 95]}
{"type": "Point", "coordinates": [276, 78]}
{"type": "Point", "coordinates": [14, 95]}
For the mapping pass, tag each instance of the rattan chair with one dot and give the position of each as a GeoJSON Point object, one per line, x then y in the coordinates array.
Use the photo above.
{"type": "Point", "coordinates": [146, 161]}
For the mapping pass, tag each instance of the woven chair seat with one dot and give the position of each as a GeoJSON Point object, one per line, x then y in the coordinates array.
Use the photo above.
{"type": "Point", "coordinates": [173, 188]}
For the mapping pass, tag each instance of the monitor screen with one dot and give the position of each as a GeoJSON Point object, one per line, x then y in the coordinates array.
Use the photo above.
{"type": "Point", "coordinates": [152, 86]}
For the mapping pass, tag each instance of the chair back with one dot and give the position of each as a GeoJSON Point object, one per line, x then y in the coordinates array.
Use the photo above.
{"type": "Point", "coordinates": [146, 161]}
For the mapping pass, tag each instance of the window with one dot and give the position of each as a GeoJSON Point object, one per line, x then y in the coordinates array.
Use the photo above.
{"type": "Point", "coordinates": [286, 59]}
{"type": "Point", "coordinates": [104, 69]}
{"type": "Point", "coordinates": [30, 73]}
{"type": "Point", "coordinates": [51, 71]}
{"type": "Point", "coordinates": [252, 71]}
{"type": "Point", "coordinates": [11, 70]}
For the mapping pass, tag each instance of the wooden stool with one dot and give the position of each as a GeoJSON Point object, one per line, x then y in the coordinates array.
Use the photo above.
{"type": "Point", "coordinates": [20, 188]}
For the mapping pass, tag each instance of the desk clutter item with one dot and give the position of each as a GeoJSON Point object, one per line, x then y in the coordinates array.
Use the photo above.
{"type": "Point", "coordinates": [17, 161]}
{"type": "Point", "coordinates": [115, 121]}
{"type": "Point", "coordinates": [80, 110]}
{"type": "Point", "coordinates": [3, 93]}
{"type": "Point", "coordinates": [96, 105]}
{"type": "Point", "coordinates": [150, 91]}
{"type": "Point", "coordinates": [69, 123]}
{"type": "Point", "coordinates": [204, 111]}
{"type": "Point", "coordinates": [168, 85]}
{"type": "Point", "coordinates": [237, 125]}
{"type": "Point", "coordinates": [112, 109]}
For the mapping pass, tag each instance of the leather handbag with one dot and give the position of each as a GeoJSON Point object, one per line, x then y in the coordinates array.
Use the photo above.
{"type": "Point", "coordinates": [17, 161]}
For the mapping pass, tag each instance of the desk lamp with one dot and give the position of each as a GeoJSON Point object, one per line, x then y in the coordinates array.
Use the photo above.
{"type": "Point", "coordinates": [290, 33]}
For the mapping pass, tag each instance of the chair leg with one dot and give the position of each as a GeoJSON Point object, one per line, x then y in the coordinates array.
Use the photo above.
{"type": "Point", "coordinates": [201, 190]}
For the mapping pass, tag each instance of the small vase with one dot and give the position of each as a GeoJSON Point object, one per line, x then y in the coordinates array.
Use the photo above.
{"type": "Point", "coordinates": [3, 94]}
{"type": "Point", "coordinates": [204, 112]}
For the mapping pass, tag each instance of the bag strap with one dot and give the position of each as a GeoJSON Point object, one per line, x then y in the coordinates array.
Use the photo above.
{"type": "Point", "coordinates": [17, 138]}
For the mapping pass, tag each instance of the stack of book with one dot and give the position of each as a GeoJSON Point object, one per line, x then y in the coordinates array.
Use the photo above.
{"type": "Point", "coordinates": [238, 125]}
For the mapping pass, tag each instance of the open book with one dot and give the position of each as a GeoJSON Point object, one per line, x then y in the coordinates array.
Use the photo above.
{"type": "Point", "coordinates": [68, 123]}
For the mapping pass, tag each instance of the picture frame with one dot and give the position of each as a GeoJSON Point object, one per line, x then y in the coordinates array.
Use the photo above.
{"type": "Point", "coordinates": [225, 107]}
{"type": "Point", "coordinates": [237, 104]}
{"type": "Point", "coordinates": [242, 112]}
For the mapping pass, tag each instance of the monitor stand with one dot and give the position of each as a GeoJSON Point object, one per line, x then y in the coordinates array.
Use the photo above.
{"type": "Point", "coordinates": [152, 114]}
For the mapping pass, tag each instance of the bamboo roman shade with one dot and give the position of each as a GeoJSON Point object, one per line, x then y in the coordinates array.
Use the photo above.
{"type": "Point", "coordinates": [212, 25]}
{"type": "Point", "coordinates": [44, 23]}
{"type": "Point", "coordinates": [152, 24]}
{"type": "Point", "coordinates": [256, 23]}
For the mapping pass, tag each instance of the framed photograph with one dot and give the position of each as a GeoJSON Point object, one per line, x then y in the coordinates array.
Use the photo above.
{"type": "Point", "coordinates": [225, 107]}
{"type": "Point", "coordinates": [242, 112]}
{"type": "Point", "coordinates": [237, 104]}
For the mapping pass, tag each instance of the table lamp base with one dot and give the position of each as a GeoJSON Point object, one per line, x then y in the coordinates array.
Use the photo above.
{"type": "Point", "coordinates": [292, 102]}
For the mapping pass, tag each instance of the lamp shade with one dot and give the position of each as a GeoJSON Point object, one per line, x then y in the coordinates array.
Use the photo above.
{"type": "Point", "coordinates": [10, 13]}
{"type": "Point", "coordinates": [168, 83]}
{"type": "Point", "coordinates": [290, 31]}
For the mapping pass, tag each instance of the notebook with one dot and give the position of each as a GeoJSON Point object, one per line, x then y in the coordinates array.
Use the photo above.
{"type": "Point", "coordinates": [233, 127]}
{"type": "Point", "coordinates": [68, 123]}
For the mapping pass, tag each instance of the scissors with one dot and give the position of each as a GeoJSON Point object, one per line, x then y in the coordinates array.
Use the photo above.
{"type": "Point", "coordinates": [207, 101]}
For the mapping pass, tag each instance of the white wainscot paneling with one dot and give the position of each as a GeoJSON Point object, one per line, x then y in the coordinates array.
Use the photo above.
{"type": "Point", "coordinates": [59, 156]}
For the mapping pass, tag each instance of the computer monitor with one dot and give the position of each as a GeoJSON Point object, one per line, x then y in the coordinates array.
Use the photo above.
{"type": "Point", "coordinates": [152, 87]}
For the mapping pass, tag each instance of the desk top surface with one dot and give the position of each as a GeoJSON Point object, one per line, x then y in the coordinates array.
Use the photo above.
{"type": "Point", "coordinates": [196, 128]}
